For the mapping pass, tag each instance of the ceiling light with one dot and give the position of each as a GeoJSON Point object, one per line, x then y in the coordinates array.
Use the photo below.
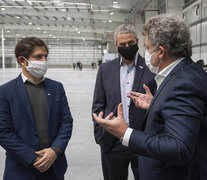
{"type": "Point", "coordinates": [78, 32]}
{"type": "Point", "coordinates": [44, 32]}
{"type": "Point", "coordinates": [69, 18]}
{"type": "Point", "coordinates": [17, 34]}
{"type": "Point", "coordinates": [76, 28]}
{"type": "Point", "coordinates": [110, 20]}
{"type": "Point", "coordinates": [63, 9]}
{"type": "Point", "coordinates": [18, 17]}
{"type": "Point", "coordinates": [38, 28]}
{"type": "Point", "coordinates": [50, 34]}
{"type": "Point", "coordinates": [2, 9]}
{"type": "Point", "coordinates": [8, 31]}
{"type": "Point", "coordinates": [111, 13]}
{"type": "Point", "coordinates": [30, 23]}
{"type": "Point", "coordinates": [115, 2]}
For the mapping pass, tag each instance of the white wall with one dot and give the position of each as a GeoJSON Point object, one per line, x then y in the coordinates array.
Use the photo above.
{"type": "Point", "coordinates": [195, 16]}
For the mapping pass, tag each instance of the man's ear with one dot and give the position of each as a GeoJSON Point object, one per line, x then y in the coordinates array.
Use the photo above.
{"type": "Point", "coordinates": [162, 52]}
{"type": "Point", "coordinates": [116, 47]}
{"type": "Point", "coordinates": [21, 61]}
{"type": "Point", "coordinates": [137, 42]}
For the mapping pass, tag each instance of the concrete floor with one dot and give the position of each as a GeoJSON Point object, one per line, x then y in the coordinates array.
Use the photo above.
{"type": "Point", "coordinates": [83, 153]}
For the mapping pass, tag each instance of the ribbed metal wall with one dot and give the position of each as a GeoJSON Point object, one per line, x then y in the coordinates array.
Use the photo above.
{"type": "Point", "coordinates": [195, 16]}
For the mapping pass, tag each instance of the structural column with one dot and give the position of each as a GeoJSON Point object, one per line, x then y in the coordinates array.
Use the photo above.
{"type": "Point", "coordinates": [16, 60]}
{"type": "Point", "coordinates": [2, 45]}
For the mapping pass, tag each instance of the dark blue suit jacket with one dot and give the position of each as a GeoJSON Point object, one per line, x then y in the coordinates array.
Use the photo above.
{"type": "Point", "coordinates": [18, 134]}
{"type": "Point", "coordinates": [107, 96]}
{"type": "Point", "coordinates": [173, 145]}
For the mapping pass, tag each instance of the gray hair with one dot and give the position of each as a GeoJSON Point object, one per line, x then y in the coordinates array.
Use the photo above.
{"type": "Point", "coordinates": [125, 29]}
{"type": "Point", "coordinates": [170, 32]}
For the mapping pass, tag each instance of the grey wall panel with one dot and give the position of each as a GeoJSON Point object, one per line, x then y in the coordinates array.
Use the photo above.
{"type": "Point", "coordinates": [198, 34]}
{"type": "Point", "coordinates": [204, 32]}
{"type": "Point", "coordinates": [196, 52]}
{"type": "Point", "coordinates": [193, 32]}
{"type": "Point", "coordinates": [204, 53]}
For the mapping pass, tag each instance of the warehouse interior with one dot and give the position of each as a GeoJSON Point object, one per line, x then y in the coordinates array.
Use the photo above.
{"type": "Point", "coordinates": [82, 31]}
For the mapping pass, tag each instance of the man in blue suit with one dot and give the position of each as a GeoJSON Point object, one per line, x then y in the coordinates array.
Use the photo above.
{"type": "Point", "coordinates": [35, 120]}
{"type": "Point", "coordinates": [114, 80]}
{"type": "Point", "coordinates": [173, 145]}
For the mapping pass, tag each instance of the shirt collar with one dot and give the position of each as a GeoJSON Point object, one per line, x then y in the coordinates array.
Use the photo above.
{"type": "Point", "coordinates": [163, 74]}
{"type": "Point", "coordinates": [24, 78]}
{"type": "Point", "coordinates": [135, 61]}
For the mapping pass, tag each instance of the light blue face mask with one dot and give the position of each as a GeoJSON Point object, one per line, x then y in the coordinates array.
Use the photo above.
{"type": "Point", "coordinates": [37, 68]}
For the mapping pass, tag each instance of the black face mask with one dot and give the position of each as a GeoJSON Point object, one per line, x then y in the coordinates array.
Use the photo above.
{"type": "Point", "coordinates": [128, 52]}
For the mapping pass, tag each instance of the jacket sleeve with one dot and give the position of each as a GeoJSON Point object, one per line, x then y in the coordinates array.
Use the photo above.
{"type": "Point", "coordinates": [9, 139]}
{"type": "Point", "coordinates": [99, 104]}
{"type": "Point", "coordinates": [66, 123]}
{"type": "Point", "coordinates": [180, 117]}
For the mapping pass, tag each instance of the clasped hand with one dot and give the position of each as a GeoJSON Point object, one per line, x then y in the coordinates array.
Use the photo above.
{"type": "Point", "coordinates": [45, 158]}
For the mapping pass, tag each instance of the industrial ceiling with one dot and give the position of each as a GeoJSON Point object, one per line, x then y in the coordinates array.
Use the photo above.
{"type": "Point", "coordinates": [77, 19]}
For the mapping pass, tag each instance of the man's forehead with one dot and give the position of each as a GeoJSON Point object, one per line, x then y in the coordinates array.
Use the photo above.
{"type": "Point", "coordinates": [120, 35]}
{"type": "Point", "coordinates": [126, 37]}
{"type": "Point", "coordinates": [39, 49]}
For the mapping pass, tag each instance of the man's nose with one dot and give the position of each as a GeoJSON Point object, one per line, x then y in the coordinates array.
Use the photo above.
{"type": "Point", "coordinates": [44, 58]}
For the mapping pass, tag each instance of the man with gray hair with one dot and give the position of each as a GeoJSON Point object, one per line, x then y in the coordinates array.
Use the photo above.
{"type": "Point", "coordinates": [115, 79]}
{"type": "Point", "coordinates": [173, 145]}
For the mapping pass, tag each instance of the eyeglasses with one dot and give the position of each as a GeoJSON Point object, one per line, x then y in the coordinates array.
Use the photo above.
{"type": "Point", "coordinates": [132, 42]}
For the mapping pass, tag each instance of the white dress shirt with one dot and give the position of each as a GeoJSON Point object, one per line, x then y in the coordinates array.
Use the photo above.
{"type": "Point", "coordinates": [127, 74]}
{"type": "Point", "coordinates": [24, 78]}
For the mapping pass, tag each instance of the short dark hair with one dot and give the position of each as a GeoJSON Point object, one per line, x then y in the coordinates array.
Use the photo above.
{"type": "Point", "coordinates": [25, 47]}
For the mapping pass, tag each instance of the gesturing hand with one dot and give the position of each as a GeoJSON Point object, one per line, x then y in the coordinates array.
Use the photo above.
{"type": "Point", "coordinates": [141, 100]}
{"type": "Point", "coordinates": [45, 158]}
{"type": "Point", "coordinates": [115, 125]}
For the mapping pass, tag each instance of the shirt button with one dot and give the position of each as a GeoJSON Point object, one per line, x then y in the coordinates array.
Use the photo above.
{"type": "Point", "coordinates": [127, 82]}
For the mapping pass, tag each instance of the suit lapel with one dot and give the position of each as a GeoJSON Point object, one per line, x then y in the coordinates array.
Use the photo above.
{"type": "Point", "coordinates": [49, 95]}
{"type": "Point", "coordinates": [138, 74]}
{"type": "Point", "coordinates": [24, 98]}
{"type": "Point", "coordinates": [116, 78]}
{"type": "Point", "coordinates": [178, 67]}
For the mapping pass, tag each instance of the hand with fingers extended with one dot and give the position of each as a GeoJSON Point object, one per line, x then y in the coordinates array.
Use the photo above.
{"type": "Point", "coordinates": [141, 100]}
{"type": "Point", "coordinates": [45, 158]}
{"type": "Point", "coordinates": [115, 125]}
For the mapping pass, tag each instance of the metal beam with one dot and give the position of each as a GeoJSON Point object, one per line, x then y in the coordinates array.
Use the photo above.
{"type": "Point", "coordinates": [2, 41]}
{"type": "Point", "coordinates": [137, 8]}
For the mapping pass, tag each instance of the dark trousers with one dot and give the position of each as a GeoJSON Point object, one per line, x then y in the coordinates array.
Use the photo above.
{"type": "Point", "coordinates": [48, 175]}
{"type": "Point", "coordinates": [115, 163]}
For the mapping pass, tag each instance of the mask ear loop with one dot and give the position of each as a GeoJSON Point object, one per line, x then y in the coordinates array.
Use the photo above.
{"type": "Point", "coordinates": [27, 62]}
{"type": "Point", "coordinates": [160, 60]}
{"type": "Point", "coordinates": [25, 59]}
